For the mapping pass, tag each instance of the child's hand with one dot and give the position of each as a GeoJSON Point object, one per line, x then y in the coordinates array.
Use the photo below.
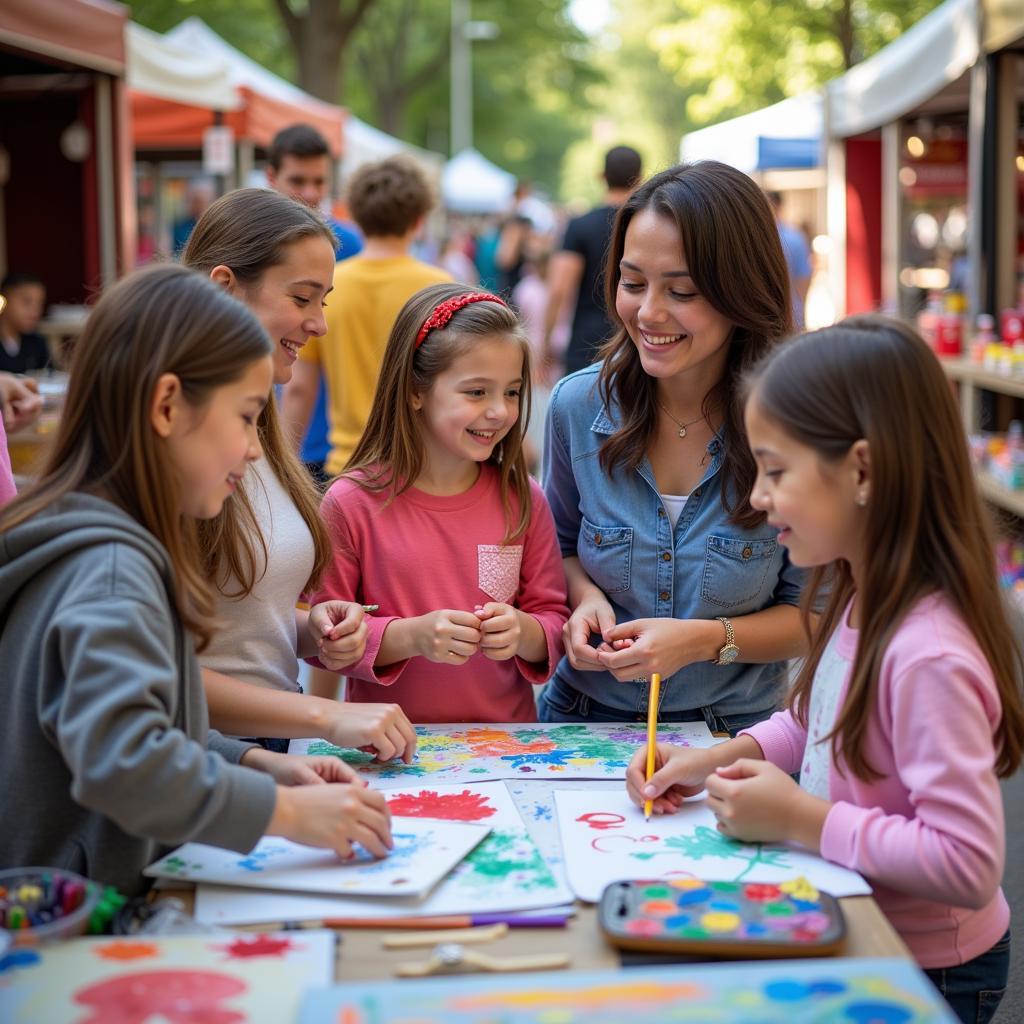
{"type": "Point", "coordinates": [380, 729]}
{"type": "Point", "coordinates": [297, 769]}
{"type": "Point", "coordinates": [333, 817]}
{"type": "Point", "coordinates": [339, 631]}
{"type": "Point", "coordinates": [756, 802]}
{"type": "Point", "coordinates": [501, 629]}
{"type": "Point", "coordinates": [680, 772]}
{"type": "Point", "coordinates": [447, 637]}
{"type": "Point", "coordinates": [592, 616]}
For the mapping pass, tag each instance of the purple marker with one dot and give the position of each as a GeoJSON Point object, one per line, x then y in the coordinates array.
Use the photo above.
{"type": "Point", "coordinates": [520, 921]}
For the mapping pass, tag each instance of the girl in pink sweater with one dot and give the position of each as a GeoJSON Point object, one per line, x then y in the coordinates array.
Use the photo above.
{"type": "Point", "coordinates": [436, 521]}
{"type": "Point", "coordinates": [908, 707]}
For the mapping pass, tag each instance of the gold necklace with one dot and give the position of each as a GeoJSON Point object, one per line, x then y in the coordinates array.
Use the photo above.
{"type": "Point", "coordinates": [682, 426]}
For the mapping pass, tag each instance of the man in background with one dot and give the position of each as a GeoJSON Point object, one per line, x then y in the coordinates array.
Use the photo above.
{"type": "Point", "coordinates": [798, 259]}
{"type": "Point", "coordinates": [299, 165]}
{"type": "Point", "coordinates": [389, 201]}
{"type": "Point", "coordinates": [576, 273]}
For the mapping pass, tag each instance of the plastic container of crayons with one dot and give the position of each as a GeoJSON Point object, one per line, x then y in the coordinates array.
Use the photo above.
{"type": "Point", "coordinates": [41, 904]}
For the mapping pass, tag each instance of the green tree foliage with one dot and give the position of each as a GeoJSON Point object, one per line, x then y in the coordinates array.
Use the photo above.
{"type": "Point", "coordinates": [734, 56]}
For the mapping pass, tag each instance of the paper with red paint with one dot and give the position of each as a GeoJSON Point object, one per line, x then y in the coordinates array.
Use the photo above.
{"type": "Point", "coordinates": [605, 839]}
{"type": "Point", "coordinates": [228, 979]}
{"type": "Point", "coordinates": [424, 852]}
{"type": "Point", "coordinates": [505, 873]}
{"type": "Point", "coordinates": [481, 753]}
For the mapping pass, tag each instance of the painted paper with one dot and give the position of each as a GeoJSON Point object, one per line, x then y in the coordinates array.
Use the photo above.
{"type": "Point", "coordinates": [605, 839]}
{"type": "Point", "coordinates": [506, 872]}
{"type": "Point", "coordinates": [477, 753]}
{"type": "Point", "coordinates": [855, 991]}
{"type": "Point", "coordinates": [424, 852]}
{"type": "Point", "coordinates": [227, 979]}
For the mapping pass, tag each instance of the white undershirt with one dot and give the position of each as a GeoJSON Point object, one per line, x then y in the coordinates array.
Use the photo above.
{"type": "Point", "coordinates": [674, 506]}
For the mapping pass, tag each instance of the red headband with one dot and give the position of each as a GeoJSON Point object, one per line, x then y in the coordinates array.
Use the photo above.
{"type": "Point", "coordinates": [444, 311]}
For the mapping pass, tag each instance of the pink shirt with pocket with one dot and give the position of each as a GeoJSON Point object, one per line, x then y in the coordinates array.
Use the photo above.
{"type": "Point", "coordinates": [423, 553]}
{"type": "Point", "coordinates": [929, 834]}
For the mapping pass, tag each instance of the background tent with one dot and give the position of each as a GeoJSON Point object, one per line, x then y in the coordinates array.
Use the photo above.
{"type": "Point", "coordinates": [470, 183]}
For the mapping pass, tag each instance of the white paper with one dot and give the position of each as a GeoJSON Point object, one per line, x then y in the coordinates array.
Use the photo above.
{"type": "Point", "coordinates": [505, 873]}
{"type": "Point", "coordinates": [424, 852]}
{"type": "Point", "coordinates": [482, 753]}
{"type": "Point", "coordinates": [605, 839]}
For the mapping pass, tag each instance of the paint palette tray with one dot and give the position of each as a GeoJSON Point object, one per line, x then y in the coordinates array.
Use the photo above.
{"type": "Point", "coordinates": [722, 919]}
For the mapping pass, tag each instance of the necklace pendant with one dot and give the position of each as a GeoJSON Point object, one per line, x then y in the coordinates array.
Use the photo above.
{"type": "Point", "coordinates": [682, 431]}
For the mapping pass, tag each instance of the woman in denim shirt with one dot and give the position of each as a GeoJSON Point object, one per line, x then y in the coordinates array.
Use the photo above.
{"type": "Point", "coordinates": [648, 473]}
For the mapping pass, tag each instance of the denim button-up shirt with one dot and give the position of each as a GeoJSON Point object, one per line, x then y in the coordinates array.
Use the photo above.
{"type": "Point", "coordinates": [704, 568]}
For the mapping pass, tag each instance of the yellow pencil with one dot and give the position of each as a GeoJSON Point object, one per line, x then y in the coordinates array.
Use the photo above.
{"type": "Point", "coordinates": [652, 736]}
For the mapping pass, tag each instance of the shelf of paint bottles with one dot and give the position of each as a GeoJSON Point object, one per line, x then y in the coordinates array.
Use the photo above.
{"type": "Point", "coordinates": [993, 361]}
{"type": "Point", "coordinates": [1010, 562]}
{"type": "Point", "coordinates": [999, 463]}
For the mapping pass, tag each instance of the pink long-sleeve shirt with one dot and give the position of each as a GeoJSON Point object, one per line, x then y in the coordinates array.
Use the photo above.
{"type": "Point", "coordinates": [929, 835]}
{"type": "Point", "coordinates": [7, 490]}
{"type": "Point", "coordinates": [425, 552]}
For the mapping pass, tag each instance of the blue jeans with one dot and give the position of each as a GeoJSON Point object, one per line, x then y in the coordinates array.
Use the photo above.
{"type": "Point", "coordinates": [975, 989]}
{"type": "Point", "coordinates": [559, 702]}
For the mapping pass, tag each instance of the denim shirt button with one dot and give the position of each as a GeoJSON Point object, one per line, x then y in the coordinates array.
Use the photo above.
{"type": "Point", "coordinates": [697, 492]}
{"type": "Point", "coordinates": [664, 595]}
{"type": "Point", "coordinates": [666, 556]}
{"type": "Point", "coordinates": [597, 540]}
{"type": "Point", "coordinates": [748, 551]}
{"type": "Point", "coordinates": [661, 510]}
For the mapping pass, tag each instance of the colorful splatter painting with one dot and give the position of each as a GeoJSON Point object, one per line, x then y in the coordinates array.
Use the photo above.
{"type": "Point", "coordinates": [605, 838]}
{"type": "Point", "coordinates": [177, 980]}
{"type": "Point", "coordinates": [506, 872]}
{"type": "Point", "coordinates": [842, 991]}
{"type": "Point", "coordinates": [477, 753]}
{"type": "Point", "coordinates": [424, 852]}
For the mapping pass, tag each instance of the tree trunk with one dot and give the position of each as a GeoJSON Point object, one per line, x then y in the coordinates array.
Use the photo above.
{"type": "Point", "coordinates": [846, 34]}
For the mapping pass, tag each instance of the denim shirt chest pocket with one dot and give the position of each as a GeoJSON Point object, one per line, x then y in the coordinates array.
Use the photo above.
{"type": "Point", "coordinates": [606, 554]}
{"type": "Point", "coordinates": [735, 569]}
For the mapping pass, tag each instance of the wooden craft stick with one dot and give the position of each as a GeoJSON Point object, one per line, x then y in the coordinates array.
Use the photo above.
{"type": "Point", "coordinates": [465, 935]}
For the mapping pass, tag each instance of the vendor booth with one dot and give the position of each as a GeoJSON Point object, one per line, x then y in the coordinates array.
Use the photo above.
{"type": "Point", "coordinates": [65, 165]}
{"type": "Point", "coordinates": [899, 128]}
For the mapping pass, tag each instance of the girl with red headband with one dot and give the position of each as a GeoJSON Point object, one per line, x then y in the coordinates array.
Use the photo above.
{"type": "Point", "coordinates": [436, 521]}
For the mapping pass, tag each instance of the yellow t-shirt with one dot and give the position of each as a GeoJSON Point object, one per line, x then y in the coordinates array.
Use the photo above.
{"type": "Point", "coordinates": [368, 295]}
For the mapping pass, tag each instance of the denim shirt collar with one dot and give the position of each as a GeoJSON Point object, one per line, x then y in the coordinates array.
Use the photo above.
{"type": "Point", "coordinates": [604, 423]}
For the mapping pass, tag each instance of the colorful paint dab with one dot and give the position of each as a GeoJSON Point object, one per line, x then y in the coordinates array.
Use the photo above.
{"type": "Point", "coordinates": [843, 991]}
{"type": "Point", "coordinates": [458, 753]}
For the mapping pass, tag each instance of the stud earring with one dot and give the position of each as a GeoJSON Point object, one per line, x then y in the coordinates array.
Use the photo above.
{"type": "Point", "coordinates": [862, 500]}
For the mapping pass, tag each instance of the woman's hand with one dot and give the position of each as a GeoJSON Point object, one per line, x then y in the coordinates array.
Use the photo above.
{"type": "Point", "coordinates": [593, 615]}
{"type": "Point", "coordinates": [680, 772]}
{"type": "Point", "coordinates": [379, 729]}
{"type": "Point", "coordinates": [299, 770]}
{"type": "Point", "coordinates": [338, 630]}
{"type": "Point", "coordinates": [638, 649]}
{"type": "Point", "coordinates": [757, 802]}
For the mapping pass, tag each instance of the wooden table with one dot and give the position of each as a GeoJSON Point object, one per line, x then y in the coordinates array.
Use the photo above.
{"type": "Point", "coordinates": [361, 958]}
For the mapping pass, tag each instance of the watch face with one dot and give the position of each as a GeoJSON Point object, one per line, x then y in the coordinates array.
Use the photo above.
{"type": "Point", "coordinates": [728, 654]}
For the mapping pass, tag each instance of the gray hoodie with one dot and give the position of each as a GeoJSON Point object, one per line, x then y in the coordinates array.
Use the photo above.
{"type": "Point", "coordinates": [105, 756]}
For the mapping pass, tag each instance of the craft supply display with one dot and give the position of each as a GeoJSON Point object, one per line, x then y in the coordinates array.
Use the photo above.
{"type": "Point", "coordinates": [797, 992]}
{"type": "Point", "coordinates": [460, 753]}
{"type": "Point", "coordinates": [424, 852]}
{"type": "Point", "coordinates": [226, 979]}
{"type": "Point", "coordinates": [605, 839]}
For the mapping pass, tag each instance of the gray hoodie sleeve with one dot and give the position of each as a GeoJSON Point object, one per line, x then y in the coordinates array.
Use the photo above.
{"type": "Point", "coordinates": [115, 727]}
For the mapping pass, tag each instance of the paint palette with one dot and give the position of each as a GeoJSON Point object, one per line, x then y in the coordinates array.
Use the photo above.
{"type": "Point", "coordinates": [730, 919]}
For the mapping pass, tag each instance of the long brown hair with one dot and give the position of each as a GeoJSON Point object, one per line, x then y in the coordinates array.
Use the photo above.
{"type": "Point", "coordinates": [249, 231]}
{"type": "Point", "coordinates": [390, 454]}
{"type": "Point", "coordinates": [926, 530]}
{"type": "Point", "coordinates": [731, 245]}
{"type": "Point", "coordinates": [165, 319]}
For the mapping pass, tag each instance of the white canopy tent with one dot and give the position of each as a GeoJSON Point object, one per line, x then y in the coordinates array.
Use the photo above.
{"type": "Point", "coordinates": [365, 144]}
{"type": "Point", "coordinates": [786, 134]}
{"type": "Point", "coordinates": [470, 183]}
{"type": "Point", "coordinates": [910, 71]}
{"type": "Point", "coordinates": [158, 66]}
